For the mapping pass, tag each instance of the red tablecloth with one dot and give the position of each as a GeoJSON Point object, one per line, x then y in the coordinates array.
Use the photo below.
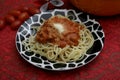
{"type": "Point", "coordinates": [105, 67]}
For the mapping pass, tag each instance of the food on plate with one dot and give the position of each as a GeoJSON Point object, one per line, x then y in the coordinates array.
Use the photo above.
{"type": "Point", "coordinates": [58, 31]}
{"type": "Point", "coordinates": [59, 39]}
{"type": "Point", "coordinates": [98, 7]}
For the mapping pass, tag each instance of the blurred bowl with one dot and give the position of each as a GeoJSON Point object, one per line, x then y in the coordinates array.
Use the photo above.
{"type": "Point", "coordinates": [98, 7]}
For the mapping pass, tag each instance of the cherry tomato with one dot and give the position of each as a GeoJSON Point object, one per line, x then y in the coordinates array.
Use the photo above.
{"type": "Point", "coordinates": [23, 9]}
{"type": "Point", "coordinates": [23, 16]}
{"type": "Point", "coordinates": [15, 13]}
{"type": "Point", "coordinates": [16, 24]}
{"type": "Point", "coordinates": [33, 10]}
{"type": "Point", "coordinates": [9, 18]}
{"type": "Point", "coordinates": [2, 24]}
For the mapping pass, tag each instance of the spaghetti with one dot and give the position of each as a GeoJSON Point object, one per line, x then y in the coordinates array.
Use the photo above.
{"type": "Point", "coordinates": [61, 54]}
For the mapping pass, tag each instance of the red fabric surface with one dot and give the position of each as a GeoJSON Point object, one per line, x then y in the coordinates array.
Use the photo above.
{"type": "Point", "coordinates": [105, 67]}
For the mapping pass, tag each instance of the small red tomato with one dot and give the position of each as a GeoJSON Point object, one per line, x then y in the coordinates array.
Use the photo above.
{"type": "Point", "coordinates": [16, 24]}
{"type": "Point", "coordinates": [23, 9]}
{"type": "Point", "coordinates": [23, 16]}
{"type": "Point", "coordinates": [9, 18]}
{"type": "Point", "coordinates": [33, 10]}
{"type": "Point", "coordinates": [2, 24]}
{"type": "Point", "coordinates": [15, 13]}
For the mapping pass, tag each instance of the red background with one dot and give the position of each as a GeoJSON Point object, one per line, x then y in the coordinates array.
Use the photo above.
{"type": "Point", "coordinates": [105, 67]}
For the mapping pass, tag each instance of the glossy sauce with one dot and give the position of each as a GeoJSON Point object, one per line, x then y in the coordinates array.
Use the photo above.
{"type": "Point", "coordinates": [60, 31]}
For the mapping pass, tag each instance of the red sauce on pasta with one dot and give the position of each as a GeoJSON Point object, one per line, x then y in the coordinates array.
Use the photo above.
{"type": "Point", "coordinates": [69, 35]}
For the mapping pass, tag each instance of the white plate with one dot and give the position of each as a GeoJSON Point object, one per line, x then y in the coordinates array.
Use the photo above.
{"type": "Point", "coordinates": [25, 31]}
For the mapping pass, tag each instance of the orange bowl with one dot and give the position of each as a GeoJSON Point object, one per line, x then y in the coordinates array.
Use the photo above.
{"type": "Point", "coordinates": [98, 7]}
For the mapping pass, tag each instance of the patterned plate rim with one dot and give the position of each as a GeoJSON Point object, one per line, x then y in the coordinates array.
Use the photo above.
{"type": "Point", "coordinates": [78, 15]}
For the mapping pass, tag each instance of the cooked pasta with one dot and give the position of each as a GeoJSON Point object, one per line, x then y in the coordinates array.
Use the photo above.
{"type": "Point", "coordinates": [66, 54]}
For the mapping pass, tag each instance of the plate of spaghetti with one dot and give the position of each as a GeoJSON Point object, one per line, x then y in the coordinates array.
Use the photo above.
{"type": "Point", "coordinates": [60, 39]}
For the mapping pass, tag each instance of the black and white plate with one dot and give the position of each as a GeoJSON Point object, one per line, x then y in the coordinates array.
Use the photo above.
{"type": "Point", "coordinates": [26, 30]}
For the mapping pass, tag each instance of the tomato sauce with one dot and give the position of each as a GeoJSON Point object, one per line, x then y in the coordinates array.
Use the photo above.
{"type": "Point", "coordinates": [49, 33]}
